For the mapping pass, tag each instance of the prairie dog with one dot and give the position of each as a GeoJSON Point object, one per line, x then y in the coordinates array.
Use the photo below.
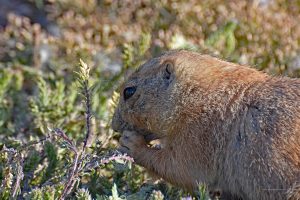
{"type": "Point", "coordinates": [222, 124]}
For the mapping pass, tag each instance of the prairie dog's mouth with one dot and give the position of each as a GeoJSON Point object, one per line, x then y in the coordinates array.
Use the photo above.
{"type": "Point", "coordinates": [121, 127]}
{"type": "Point", "coordinates": [149, 136]}
{"type": "Point", "coordinates": [153, 140]}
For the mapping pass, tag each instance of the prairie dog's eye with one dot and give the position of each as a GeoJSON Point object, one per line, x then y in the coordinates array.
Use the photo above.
{"type": "Point", "coordinates": [168, 69]}
{"type": "Point", "coordinates": [128, 92]}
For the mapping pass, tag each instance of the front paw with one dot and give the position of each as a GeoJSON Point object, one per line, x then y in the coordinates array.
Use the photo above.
{"type": "Point", "coordinates": [132, 143]}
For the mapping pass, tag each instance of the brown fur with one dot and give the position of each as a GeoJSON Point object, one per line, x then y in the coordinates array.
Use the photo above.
{"type": "Point", "coordinates": [225, 125]}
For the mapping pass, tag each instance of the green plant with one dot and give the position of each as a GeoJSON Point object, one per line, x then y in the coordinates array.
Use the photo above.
{"type": "Point", "coordinates": [224, 39]}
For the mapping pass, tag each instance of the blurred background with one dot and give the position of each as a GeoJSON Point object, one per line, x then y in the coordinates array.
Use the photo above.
{"type": "Point", "coordinates": [41, 42]}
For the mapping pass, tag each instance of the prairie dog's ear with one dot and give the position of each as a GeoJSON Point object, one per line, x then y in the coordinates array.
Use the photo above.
{"type": "Point", "coordinates": [168, 68]}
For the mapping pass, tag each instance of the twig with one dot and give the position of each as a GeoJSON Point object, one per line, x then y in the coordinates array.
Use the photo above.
{"type": "Point", "coordinates": [99, 161]}
{"type": "Point", "coordinates": [63, 136]}
{"type": "Point", "coordinates": [71, 186]}
{"type": "Point", "coordinates": [7, 178]}
{"type": "Point", "coordinates": [73, 174]}
{"type": "Point", "coordinates": [70, 182]}
{"type": "Point", "coordinates": [29, 144]}
{"type": "Point", "coordinates": [88, 115]}
{"type": "Point", "coordinates": [19, 175]}
{"type": "Point", "coordinates": [83, 80]}
{"type": "Point", "coordinates": [86, 91]}
{"type": "Point", "coordinates": [17, 166]}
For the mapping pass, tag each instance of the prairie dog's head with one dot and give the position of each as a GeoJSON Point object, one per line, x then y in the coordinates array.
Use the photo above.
{"type": "Point", "coordinates": [151, 97]}
{"type": "Point", "coordinates": [156, 97]}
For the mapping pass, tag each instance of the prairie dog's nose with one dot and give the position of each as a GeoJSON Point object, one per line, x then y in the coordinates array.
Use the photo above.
{"type": "Point", "coordinates": [116, 123]}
